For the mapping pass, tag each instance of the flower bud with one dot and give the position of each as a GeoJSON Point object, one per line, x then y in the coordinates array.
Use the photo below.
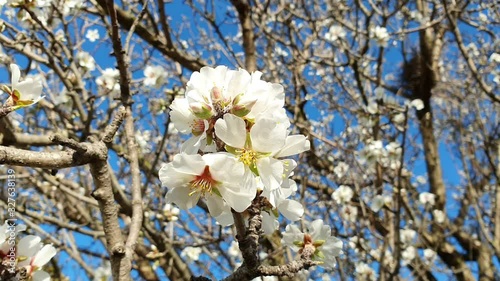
{"type": "Point", "coordinates": [201, 110]}
{"type": "Point", "coordinates": [216, 94]}
{"type": "Point", "coordinates": [242, 107]}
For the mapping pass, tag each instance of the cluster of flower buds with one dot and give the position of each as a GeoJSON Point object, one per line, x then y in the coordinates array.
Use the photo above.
{"type": "Point", "coordinates": [237, 148]}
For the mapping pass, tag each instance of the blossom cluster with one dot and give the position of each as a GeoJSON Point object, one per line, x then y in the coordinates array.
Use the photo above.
{"type": "Point", "coordinates": [238, 144]}
{"type": "Point", "coordinates": [24, 258]}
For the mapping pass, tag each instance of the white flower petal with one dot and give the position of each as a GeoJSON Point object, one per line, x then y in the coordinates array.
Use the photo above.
{"type": "Point", "coordinates": [40, 275]}
{"type": "Point", "coordinates": [225, 219]}
{"type": "Point", "coordinates": [268, 135]}
{"type": "Point", "coordinates": [269, 223]}
{"type": "Point", "coordinates": [231, 130]}
{"type": "Point", "coordinates": [30, 89]}
{"type": "Point", "coordinates": [291, 209]}
{"type": "Point", "coordinates": [44, 255]}
{"type": "Point", "coordinates": [28, 246]}
{"type": "Point", "coordinates": [294, 144]}
{"type": "Point", "coordinates": [180, 196]}
{"type": "Point", "coordinates": [16, 74]}
{"type": "Point", "coordinates": [215, 205]}
{"type": "Point", "coordinates": [271, 172]}
{"type": "Point", "coordinates": [181, 116]}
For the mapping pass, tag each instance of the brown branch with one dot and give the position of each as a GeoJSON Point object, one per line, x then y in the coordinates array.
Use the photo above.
{"type": "Point", "coordinates": [103, 193]}
{"type": "Point", "coordinates": [46, 160]}
{"type": "Point", "coordinates": [245, 15]}
{"type": "Point", "coordinates": [122, 60]}
{"type": "Point", "coordinates": [162, 44]}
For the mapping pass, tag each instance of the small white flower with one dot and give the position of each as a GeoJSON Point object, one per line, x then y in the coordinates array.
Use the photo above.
{"type": "Point", "coordinates": [421, 180]}
{"type": "Point", "coordinates": [379, 93]}
{"type": "Point", "coordinates": [379, 202]}
{"type": "Point", "coordinates": [482, 18]}
{"type": "Point", "coordinates": [33, 256]}
{"type": "Point", "coordinates": [234, 250]}
{"type": "Point", "coordinates": [85, 60]}
{"type": "Point", "coordinates": [399, 118]}
{"type": "Point", "coordinates": [171, 212]}
{"type": "Point", "coordinates": [418, 104]}
{"type": "Point", "coordinates": [373, 152]}
{"type": "Point", "coordinates": [365, 272]}
{"type": "Point", "coordinates": [427, 198]}
{"type": "Point", "coordinates": [408, 255]}
{"type": "Point", "coordinates": [430, 256]}
{"type": "Point", "coordinates": [381, 36]}
{"type": "Point", "coordinates": [191, 253]}
{"type": "Point", "coordinates": [372, 107]}
{"type": "Point", "coordinates": [143, 138]}
{"type": "Point", "coordinates": [60, 36]}
{"type": "Point", "coordinates": [349, 213]}
{"type": "Point", "coordinates": [92, 35]}
{"type": "Point", "coordinates": [495, 57]}
{"type": "Point", "coordinates": [335, 32]}
{"type": "Point", "coordinates": [266, 278]}
{"type": "Point", "coordinates": [71, 5]}
{"type": "Point", "coordinates": [318, 235]}
{"type": "Point", "coordinates": [407, 236]}
{"type": "Point", "coordinates": [109, 80]}
{"type": "Point", "coordinates": [155, 76]}
{"type": "Point", "coordinates": [341, 169]}
{"type": "Point", "coordinates": [343, 194]}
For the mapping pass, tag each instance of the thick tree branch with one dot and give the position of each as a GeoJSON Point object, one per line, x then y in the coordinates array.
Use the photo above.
{"type": "Point", "coordinates": [245, 15]}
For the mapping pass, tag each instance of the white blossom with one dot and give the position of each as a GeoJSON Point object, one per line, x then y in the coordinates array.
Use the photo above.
{"type": "Point", "coordinates": [191, 253]}
{"type": "Point", "coordinates": [22, 94]}
{"type": "Point", "coordinates": [379, 201]}
{"type": "Point", "coordinates": [342, 195]}
{"type": "Point", "coordinates": [85, 60]}
{"type": "Point", "coordinates": [92, 35]}
{"type": "Point", "coordinates": [192, 176]}
{"type": "Point", "coordinates": [408, 255]}
{"type": "Point", "coordinates": [109, 80]}
{"type": "Point", "coordinates": [155, 76]}
{"type": "Point", "coordinates": [233, 250]}
{"type": "Point", "coordinates": [171, 212]}
{"type": "Point", "coordinates": [349, 213]}
{"type": "Point", "coordinates": [418, 104]}
{"type": "Point", "coordinates": [381, 36]}
{"type": "Point", "coordinates": [427, 198]}
{"type": "Point", "coordinates": [407, 236]}
{"type": "Point", "coordinates": [430, 256]}
{"type": "Point", "coordinates": [341, 169]}
{"type": "Point", "coordinates": [335, 32]}
{"type": "Point", "coordinates": [319, 235]}
{"type": "Point", "coordinates": [365, 272]}
{"type": "Point", "coordinates": [33, 255]}
{"type": "Point", "coordinates": [495, 57]}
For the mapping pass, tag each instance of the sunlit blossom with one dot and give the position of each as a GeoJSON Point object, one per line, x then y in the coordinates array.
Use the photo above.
{"type": "Point", "coordinates": [317, 234]}
{"type": "Point", "coordinates": [22, 93]}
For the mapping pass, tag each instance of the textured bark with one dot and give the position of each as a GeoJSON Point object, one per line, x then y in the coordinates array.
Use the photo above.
{"type": "Point", "coordinates": [245, 15]}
